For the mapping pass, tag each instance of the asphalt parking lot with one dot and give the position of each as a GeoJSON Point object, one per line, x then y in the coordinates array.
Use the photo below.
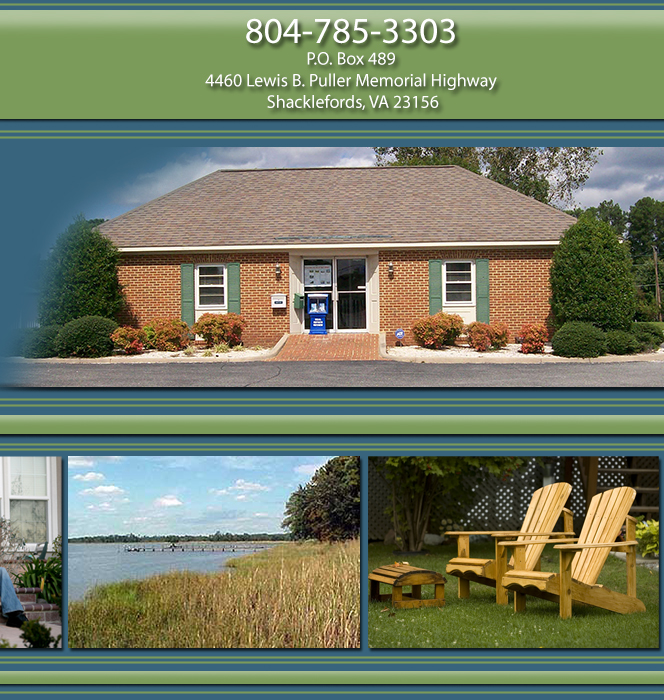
{"type": "Point", "coordinates": [351, 375]}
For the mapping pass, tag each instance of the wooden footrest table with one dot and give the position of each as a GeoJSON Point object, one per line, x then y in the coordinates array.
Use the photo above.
{"type": "Point", "coordinates": [402, 575]}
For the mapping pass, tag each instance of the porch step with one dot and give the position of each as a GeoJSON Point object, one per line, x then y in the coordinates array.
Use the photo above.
{"type": "Point", "coordinates": [35, 607]}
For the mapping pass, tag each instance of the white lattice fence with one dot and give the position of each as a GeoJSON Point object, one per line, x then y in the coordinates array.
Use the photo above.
{"type": "Point", "coordinates": [502, 505]}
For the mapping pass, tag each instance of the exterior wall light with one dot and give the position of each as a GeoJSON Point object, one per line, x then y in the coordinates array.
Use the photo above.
{"type": "Point", "coordinates": [390, 269]}
{"type": "Point", "coordinates": [277, 270]}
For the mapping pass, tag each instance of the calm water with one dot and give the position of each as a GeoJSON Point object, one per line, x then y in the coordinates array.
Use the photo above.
{"type": "Point", "coordinates": [92, 564]}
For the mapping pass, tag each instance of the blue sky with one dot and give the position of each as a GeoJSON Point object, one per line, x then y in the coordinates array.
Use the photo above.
{"type": "Point", "coordinates": [182, 495]}
{"type": "Point", "coordinates": [121, 176]}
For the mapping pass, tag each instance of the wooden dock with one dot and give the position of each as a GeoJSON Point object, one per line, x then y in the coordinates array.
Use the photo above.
{"type": "Point", "coordinates": [198, 547]}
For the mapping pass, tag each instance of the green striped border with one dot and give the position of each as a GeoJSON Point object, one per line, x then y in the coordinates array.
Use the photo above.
{"type": "Point", "coordinates": [323, 677]}
{"type": "Point", "coordinates": [329, 403]}
{"type": "Point", "coordinates": [377, 5]}
{"type": "Point", "coordinates": [75, 657]}
{"type": "Point", "coordinates": [391, 128]}
{"type": "Point", "coordinates": [283, 446]}
{"type": "Point", "coordinates": [346, 424]}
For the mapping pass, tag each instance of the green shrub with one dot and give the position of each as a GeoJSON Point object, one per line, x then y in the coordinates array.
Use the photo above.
{"type": "Point", "coordinates": [648, 335]}
{"type": "Point", "coordinates": [44, 573]}
{"type": "Point", "coordinates": [40, 342]}
{"type": "Point", "coordinates": [576, 339]}
{"type": "Point", "coordinates": [591, 277]}
{"type": "Point", "coordinates": [647, 535]}
{"type": "Point", "coordinates": [167, 334]}
{"type": "Point", "coordinates": [220, 328]}
{"type": "Point", "coordinates": [89, 336]}
{"type": "Point", "coordinates": [38, 636]}
{"type": "Point", "coordinates": [130, 340]}
{"type": "Point", "coordinates": [621, 343]}
{"type": "Point", "coordinates": [533, 337]}
{"type": "Point", "coordinates": [80, 277]}
{"type": "Point", "coordinates": [439, 330]}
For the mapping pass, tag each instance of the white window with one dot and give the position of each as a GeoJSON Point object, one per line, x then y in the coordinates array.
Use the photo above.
{"type": "Point", "coordinates": [459, 283]}
{"type": "Point", "coordinates": [30, 486]}
{"type": "Point", "coordinates": [211, 292]}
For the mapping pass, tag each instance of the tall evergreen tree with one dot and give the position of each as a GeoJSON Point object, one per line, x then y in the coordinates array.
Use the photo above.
{"type": "Point", "coordinates": [80, 277]}
{"type": "Point", "coordinates": [646, 227]}
{"type": "Point", "coordinates": [591, 277]}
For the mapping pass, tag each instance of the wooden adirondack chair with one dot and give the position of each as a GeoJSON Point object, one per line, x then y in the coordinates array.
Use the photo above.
{"type": "Point", "coordinates": [582, 562]}
{"type": "Point", "coordinates": [546, 506]}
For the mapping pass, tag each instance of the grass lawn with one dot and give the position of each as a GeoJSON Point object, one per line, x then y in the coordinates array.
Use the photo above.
{"type": "Point", "coordinates": [477, 622]}
{"type": "Point", "coordinates": [293, 595]}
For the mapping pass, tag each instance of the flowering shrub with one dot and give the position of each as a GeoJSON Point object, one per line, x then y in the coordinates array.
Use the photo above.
{"type": "Point", "coordinates": [131, 340]}
{"type": "Point", "coordinates": [167, 334]}
{"type": "Point", "coordinates": [500, 334]}
{"type": "Point", "coordinates": [220, 328]}
{"type": "Point", "coordinates": [483, 337]}
{"type": "Point", "coordinates": [533, 337]}
{"type": "Point", "coordinates": [479, 336]}
{"type": "Point", "coordinates": [439, 330]}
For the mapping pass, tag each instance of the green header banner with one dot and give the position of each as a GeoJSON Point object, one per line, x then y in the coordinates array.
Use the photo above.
{"type": "Point", "coordinates": [338, 678]}
{"type": "Point", "coordinates": [330, 425]}
{"type": "Point", "coordinates": [331, 64]}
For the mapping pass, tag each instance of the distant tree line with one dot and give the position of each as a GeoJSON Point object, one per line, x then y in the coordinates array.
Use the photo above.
{"type": "Point", "coordinates": [216, 537]}
{"type": "Point", "coordinates": [328, 507]}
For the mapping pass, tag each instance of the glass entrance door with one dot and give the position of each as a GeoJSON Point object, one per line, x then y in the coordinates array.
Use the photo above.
{"type": "Point", "coordinates": [319, 278]}
{"type": "Point", "coordinates": [345, 280]}
{"type": "Point", "coordinates": [351, 279]}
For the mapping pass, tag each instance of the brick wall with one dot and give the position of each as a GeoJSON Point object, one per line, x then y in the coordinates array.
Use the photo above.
{"type": "Point", "coordinates": [518, 286]}
{"type": "Point", "coordinates": [152, 289]}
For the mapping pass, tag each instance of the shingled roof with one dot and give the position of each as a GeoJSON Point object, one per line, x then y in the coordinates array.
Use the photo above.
{"type": "Point", "coordinates": [317, 206]}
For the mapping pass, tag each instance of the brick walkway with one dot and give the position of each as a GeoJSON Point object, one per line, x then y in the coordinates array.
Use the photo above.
{"type": "Point", "coordinates": [331, 347]}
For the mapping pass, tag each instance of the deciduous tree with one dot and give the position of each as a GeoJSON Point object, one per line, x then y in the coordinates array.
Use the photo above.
{"type": "Point", "coordinates": [419, 483]}
{"type": "Point", "coordinates": [328, 507]}
{"type": "Point", "coordinates": [550, 174]}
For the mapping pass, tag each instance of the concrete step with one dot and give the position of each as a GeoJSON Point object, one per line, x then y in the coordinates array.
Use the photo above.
{"type": "Point", "coordinates": [35, 607]}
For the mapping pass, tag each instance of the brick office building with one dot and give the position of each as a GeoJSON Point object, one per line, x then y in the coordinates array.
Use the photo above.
{"type": "Point", "coordinates": [388, 245]}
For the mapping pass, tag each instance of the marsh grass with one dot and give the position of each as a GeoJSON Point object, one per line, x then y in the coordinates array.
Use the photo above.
{"type": "Point", "coordinates": [477, 622]}
{"type": "Point", "coordinates": [292, 595]}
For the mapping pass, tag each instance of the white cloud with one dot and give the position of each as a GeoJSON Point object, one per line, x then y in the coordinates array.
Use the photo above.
{"type": "Point", "coordinates": [241, 497]}
{"type": "Point", "coordinates": [103, 491]}
{"type": "Point", "coordinates": [240, 486]}
{"type": "Point", "coordinates": [307, 469]}
{"type": "Point", "coordinates": [87, 462]}
{"type": "Point", "coordinates": [89, 476]}
{"type": "Point", "coordinates": [196, 163]}
{"type": "Point", "coordinates": [104, 507]}
{"type": "Point", "coordinates": [625, 175]}
{"type": "Point", "coordinates": [261, 515]}
{"type": "Point", "coordinates": [168, 501]}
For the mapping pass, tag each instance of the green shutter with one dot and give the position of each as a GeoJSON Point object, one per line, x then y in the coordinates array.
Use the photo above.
{"type": "Point", "coordinates": [187, 293]}
{"type": "Point", "coordinates": [233, 272]}
{"type": "Point", "coordinates": [435, 286]}
{"type": "Point", "coordinates": [482, 288]}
